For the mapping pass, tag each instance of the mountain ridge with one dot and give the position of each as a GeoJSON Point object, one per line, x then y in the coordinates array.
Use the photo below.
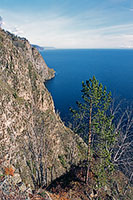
{"type": "Point", "coordinates": [40, 48]}
{"type": "Point", "coordinates": [33, 139]}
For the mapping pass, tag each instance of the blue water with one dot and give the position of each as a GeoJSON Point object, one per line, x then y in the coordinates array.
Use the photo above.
{"type": "Point", "coordinates": [113, 68]}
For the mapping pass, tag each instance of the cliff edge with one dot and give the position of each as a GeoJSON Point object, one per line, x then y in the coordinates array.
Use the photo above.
{"type": "Point", "coordinates": [33, 140]}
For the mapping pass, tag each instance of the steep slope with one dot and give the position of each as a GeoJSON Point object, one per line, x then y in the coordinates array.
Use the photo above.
{"type": "Point", "coordinates": [33, 139]}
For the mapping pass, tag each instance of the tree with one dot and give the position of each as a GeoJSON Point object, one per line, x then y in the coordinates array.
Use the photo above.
{"type": "Point", "coordinates": [95, 123]}
{"type": "Point", "coordinates": [123, 150]}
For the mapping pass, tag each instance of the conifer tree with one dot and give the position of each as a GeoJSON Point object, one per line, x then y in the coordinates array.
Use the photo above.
{"type": "Point", "coordinates": [93, 115]}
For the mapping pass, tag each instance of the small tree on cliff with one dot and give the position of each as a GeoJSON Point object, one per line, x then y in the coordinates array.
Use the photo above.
{"type": "Point", "coordinates": [92, 116]}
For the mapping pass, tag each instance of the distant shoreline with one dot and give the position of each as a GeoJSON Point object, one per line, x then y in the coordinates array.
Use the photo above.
{"type": "Point", "coordinates": [131, 49]}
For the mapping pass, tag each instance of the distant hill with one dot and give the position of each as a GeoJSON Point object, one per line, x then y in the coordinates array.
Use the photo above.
{"type": "Point", "coordinates": [39, 48]}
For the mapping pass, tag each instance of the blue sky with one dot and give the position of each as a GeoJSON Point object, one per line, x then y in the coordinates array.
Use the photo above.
{"type": "Point", "coordinates": [71, 23]}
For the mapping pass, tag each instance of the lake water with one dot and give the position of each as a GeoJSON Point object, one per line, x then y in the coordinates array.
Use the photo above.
{"type": "Point", "coordinates": [113, 68]}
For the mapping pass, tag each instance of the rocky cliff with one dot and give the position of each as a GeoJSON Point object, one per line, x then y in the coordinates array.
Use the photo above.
{"type": "Point", "coordinates": [33, 140]}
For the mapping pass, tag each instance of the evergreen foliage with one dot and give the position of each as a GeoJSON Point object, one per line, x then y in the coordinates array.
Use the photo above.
{"type": "Point", "coordinates": [94, 123]}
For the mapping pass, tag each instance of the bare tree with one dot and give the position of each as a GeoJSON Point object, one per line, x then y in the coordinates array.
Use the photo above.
{"type": "Point", "coordinates": [123, 150]}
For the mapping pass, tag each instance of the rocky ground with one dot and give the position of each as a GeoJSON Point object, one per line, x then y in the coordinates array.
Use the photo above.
{"type": "Point", "coordinates": [70, 186]}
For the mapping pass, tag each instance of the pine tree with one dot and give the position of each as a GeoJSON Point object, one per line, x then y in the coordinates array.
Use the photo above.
{"type": "Point", "coordinates": [93, 115]}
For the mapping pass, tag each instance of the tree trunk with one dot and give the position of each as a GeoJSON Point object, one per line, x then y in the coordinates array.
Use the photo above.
{"type": "Point", "coordinates": [89, 144]}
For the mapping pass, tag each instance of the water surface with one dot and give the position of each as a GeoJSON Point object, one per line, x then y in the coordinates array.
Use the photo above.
{"type": "Point", "coordinates": [113, 68]}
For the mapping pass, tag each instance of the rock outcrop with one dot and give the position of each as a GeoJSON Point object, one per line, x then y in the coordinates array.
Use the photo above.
{"type": "Point", "coordinates": [33, 139]}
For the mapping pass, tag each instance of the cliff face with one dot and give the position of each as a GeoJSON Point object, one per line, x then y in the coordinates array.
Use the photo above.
{"type": "Point", "coordinates": [33, 139]}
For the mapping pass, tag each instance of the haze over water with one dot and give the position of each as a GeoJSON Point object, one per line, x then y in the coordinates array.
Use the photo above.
{"type": "Point", "coordinates": [113, 68]}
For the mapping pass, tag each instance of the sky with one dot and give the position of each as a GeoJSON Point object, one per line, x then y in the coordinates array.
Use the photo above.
{"type": "Point", "coordinates": [70, 23]}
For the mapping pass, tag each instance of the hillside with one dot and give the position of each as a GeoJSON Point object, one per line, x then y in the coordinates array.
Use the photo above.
{"type": "Point", "coordinates": [40, 48]}
{"type": "Point", "coordinates": [33, 140]}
